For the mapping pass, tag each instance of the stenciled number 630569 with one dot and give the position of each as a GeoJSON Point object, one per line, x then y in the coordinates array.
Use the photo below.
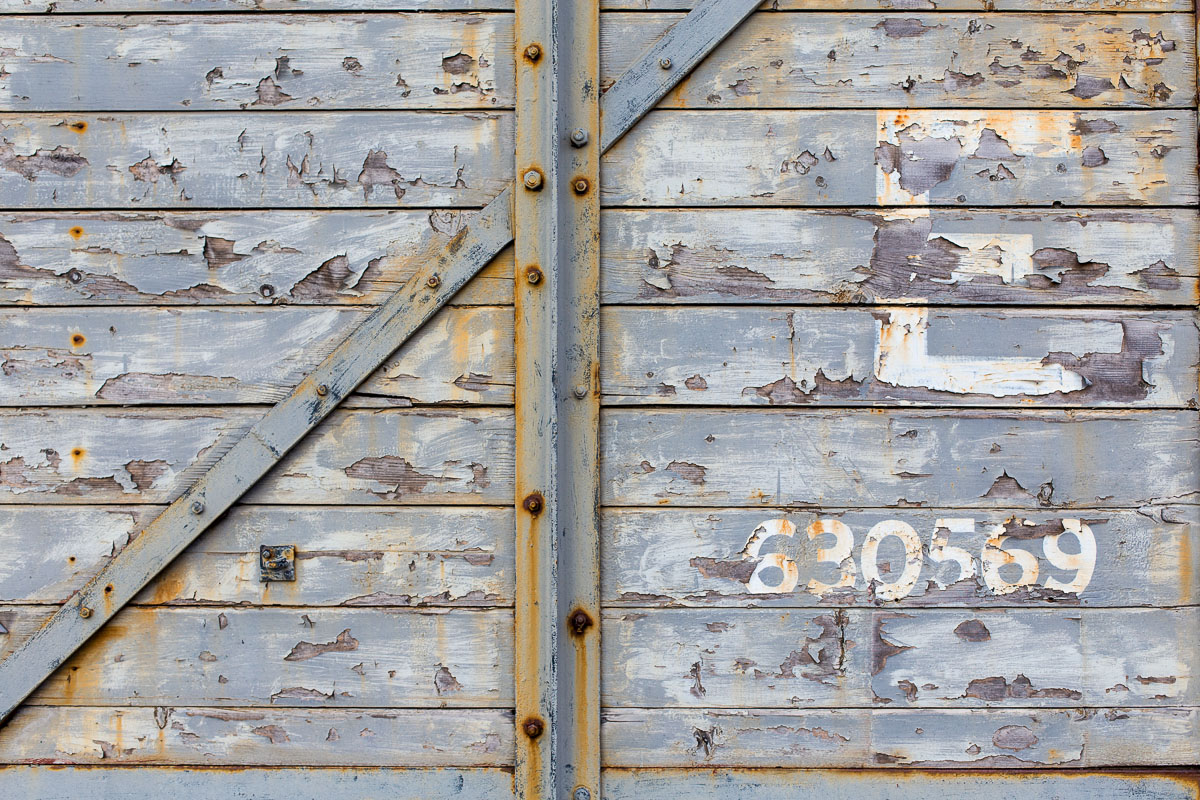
{"type": "Point", "coordinates": [993, 557]}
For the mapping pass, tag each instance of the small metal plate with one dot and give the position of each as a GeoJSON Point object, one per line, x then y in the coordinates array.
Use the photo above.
{"type": "Point", "coordinates": [277, 562]}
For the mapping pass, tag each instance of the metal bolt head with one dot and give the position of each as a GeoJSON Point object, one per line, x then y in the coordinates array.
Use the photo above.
{"type": "Point", "coordinates": [579, 391]}
{"type": "Point", "coordinates": [533, 503]}
{"type": "Point", "coordinates": [580, 621]}
{"type": "Point", "coordinates": [433, 281]}
{"type": "Point", "coordinates": [581, 793]}
{"type": "Point", "coordinates": [533, 180]}
{"type": "Point", "coordinates": [533, 728]}
{"type": "Point", "coordinates": [580, 186]}
{"type": "Point", "coordinates": [533, 52]}
{"type": "Point", "coordinates": [85, 612]}
{"type": "Point", "coordinates": [579, 137]}
{"type": "Point", "coordinates": [322, 389]}
{"type": "Point", "coordinates": [533, 275]}
{"type": "Point", "coordinates": [665, 63]}
{"type": "Point", "coordinates": [197, 506]}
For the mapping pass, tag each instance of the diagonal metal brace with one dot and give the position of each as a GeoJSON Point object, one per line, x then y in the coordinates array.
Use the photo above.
{"type": "Point", "coordinates": [449, 262]}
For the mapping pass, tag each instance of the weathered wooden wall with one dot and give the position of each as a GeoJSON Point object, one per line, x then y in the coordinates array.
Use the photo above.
{"type": "Point", "coordinates": [929, 265]}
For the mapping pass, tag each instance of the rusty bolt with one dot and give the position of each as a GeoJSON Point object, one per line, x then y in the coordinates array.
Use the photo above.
{"type": "Point", "coordinates": [580, 621]}
{"type": "Point", "coordinates": [197, 506]}
{"type": "Point", "coordinates": [266, 290]}
{"type": "Point", "coordinates": [665, 63]}
{"type": "Point", "coordinates": [580, 186]}
{"type": "Point", "coordinates": [533, 52]}
{"type": "Point", "coordinates": [322, 389]}
{"type": "Point", "coordinates": [433, 281]}
{"type": "Point", "coordinates": [533, 727]}
{"type": "Point", "coordinates": [74, 275]}
{"type": "Point", "coordinates": [533, 275]}
{"type": "Point", "coordinates": [533, 503]}
{"type": "Point", "coordinates": [533, 180]}
{"type": "Point", "coordinates": [85, 612]}
{"type": "Point", "coordinates": [579, 137]}
{"type": "Point", "coordinates": [581, 793]}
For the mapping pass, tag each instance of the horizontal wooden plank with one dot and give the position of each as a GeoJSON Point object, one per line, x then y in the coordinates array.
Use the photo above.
{"type": "Point", "coordinates": [1128, 257]}
{"type": "Point", "coordinates": [397, 61]}
{"type": "Point", "coordinates": [875, 458]}
{"type": "Point", "coordinates": [462, 61]}
{"type": "Point", "coordinates": [228, 160]}
{"type": "Point", "coordinates": [366, 657]}
{"type": "Point", "coordinates": [225, 258]}
{"type": "Point", "coordinates": [856, 738]}
{"type": "Point", "coordinates": [185, 6]}
{"type": "Point", "coordinates": [716, 784]}
{"type": "Point", "coordinates": [888, 356]}
{"type": "Point", "coordinates": [924, 658]}
{"type": "Point", "coordinates": [669, 557]}
{"type": "Point", "coordinates": [1079, 257]}
{"type": "Point", "coordinates": [267, 736]}
{"type": "Point", "coordinates": [122, 356]}
{"type": "Point", "coordinates": [269, 783]}
{"type": "Point", "coordinates": [352, 556]}
{"type": "Point", "coordinates": [150, 456]}
{"type": "Point", "coordinates": [896, 157]}
{"type": "Point", "coordinates": [814, 60]}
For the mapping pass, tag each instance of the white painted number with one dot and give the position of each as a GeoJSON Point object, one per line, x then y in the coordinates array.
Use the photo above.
{"type": "Point", "coordinates": [1004, 570]}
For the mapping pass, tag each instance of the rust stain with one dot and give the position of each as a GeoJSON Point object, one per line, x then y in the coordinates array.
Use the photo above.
{"type": "Point", "coordinates": [78, 340]}
{"type": "Point", "coordinates": [76, 232]}
{"type": "Point", "coordinates": [79, 126]}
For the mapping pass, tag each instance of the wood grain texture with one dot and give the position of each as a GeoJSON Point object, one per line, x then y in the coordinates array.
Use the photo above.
{"type": "Point", "coordinates": [857, 738]}
{"type": "Point", "coordinates": [229, 258]}
{"type": "Point", "coordinates": [718, 784]}
{"type": "Point", "coordinates": [754, 356]}
{"type": "Point", "coordinates": [991, 158]}
{"type": "Point", "coordinates": [271, 783]}
{"type": "Point", "coordinates": [814, 60]}
{"type": "Point", "coordinates": [1036, 257]}
{"type": "Point", "coordinates": [398, 61]}
{"type": "Point", "coordinates": [150, 456]}
{"type": "Point", "coordinates": [185, 6]}
{"type": "Point", "coordinates": [228, 160]}
{"type": "Point", "coordinates": [350, 556]}
{"type": "Point", "coordinates": [669, 557]}
{"type": "Point", "coordinates": [1081, 257]}
{"type": "Point", "coordinates": [874, 458]}
{"type": "Point", "coordinates": [274, 737]}
{"type": "Point", "coordinates": [282, 657]}
{"type": "Point", "coordinates": [927, 658]}
{"type": "Point", "coordinates": [118, 356]}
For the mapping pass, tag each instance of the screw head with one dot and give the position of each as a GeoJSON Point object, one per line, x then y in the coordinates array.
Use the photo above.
{"type": "Point", "coordinates": [580, 186]}
{"type": "Point", "coordinates": [665, 63]}
{"type": "Point", "coordinates": [197, 506]}
{"type": "Point", "coordinates": [532, 180]}
{"type": "Point", "coordinates": [579, 137]}
{"type": "Point", "coordinates": [85, 612]}
{"type": "Point", "coordinates": [580, 621]}
{"type": "Point", "coordinates": [533, 275]}
{"type": "Point", "coordinates": [533, 52]}
{"type": "Point", "coordinates": [581, 793]}
{"type": "Point", "coordinates": [533, 728]}
{"type": "Point", "coordinates": [74, 275]}
{"type": "Point", "coordinates": [322, 389]}
{"type": "Point", "coordinates": [433, 281]}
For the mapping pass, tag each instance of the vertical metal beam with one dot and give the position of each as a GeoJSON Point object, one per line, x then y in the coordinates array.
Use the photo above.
{"type": "Point", "coordinates": [557, 229]}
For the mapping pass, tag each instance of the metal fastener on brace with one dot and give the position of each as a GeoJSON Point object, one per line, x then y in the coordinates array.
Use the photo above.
{"type": "Point", "coordinates": [533, 275]}
{"type": "Point", "coordinates": [532, 180]}
{"type": "Point", "coordinates": [197, 506]}
{"type": "Point", "coordinates": [533, 728]}
{"type": "Point", "coordinates": [665, 63]}
{"type": "Point", "coordinates": [433, 281]}
{"type": "Point", "coordinates": [579, 137]}
{"type": "Point", "coordinates": [581, 186]}
{"type": "Point", "coordinates": [533, 52]}
{"type": "Point", "coordinates": [85, 612]}
{"type": "Point", "coordinates": [322, 389]}
{"type": "Point", "coordinates": [581, 793]}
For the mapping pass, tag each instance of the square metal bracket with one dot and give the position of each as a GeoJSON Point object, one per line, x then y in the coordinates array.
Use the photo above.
{"type": "Point", "coordinates": [277, 562]}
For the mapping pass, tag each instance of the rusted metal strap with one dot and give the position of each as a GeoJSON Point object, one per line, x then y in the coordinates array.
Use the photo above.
{"type": "Point", "coordinates": [557, 298]}
{"type": "Point", "coordinates": [449, 262]}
